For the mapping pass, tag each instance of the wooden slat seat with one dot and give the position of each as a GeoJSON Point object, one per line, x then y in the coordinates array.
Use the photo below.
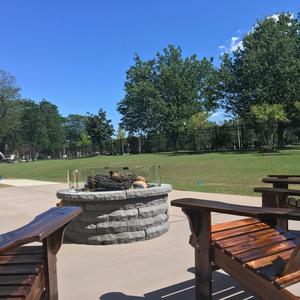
{"type": "Point", "coordinates": [29, 272]}
{"type": "Point", "coordinates": [256, 245]}
{"type": "Point", "coordinates": [21, 272]}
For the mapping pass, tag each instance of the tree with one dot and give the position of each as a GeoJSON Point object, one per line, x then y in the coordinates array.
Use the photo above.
{"type": "Point", "coordinates": [121, 136]}
{"type": "Point", "coordinates": [10, 127]}
{"type": "Point", "coordinates": [297, 111]}
{"type": "Point", "coordinates": [140, 94]}
{"type": "Point", "coordinates": [34, 131]}
{"type": "Point", "coordinates": [75, 129]}
{"type": "Point", "coordinates": [163, 93]}
{"type": "Point", "coordinates": [42, 130]}
{"type": "Point", "coordinates": [196, 124]}
{"type": "Point", "coordinates": [183, 85]}
{"type": "Point", "coordinates": [53, 122]}
{"type": "Point", "coordinates": [99, 128]}
{"type": "Point", "coordinates": [266, 69]}
{"type": "Point", "coordinates": [8, 91]}
{"type": "Point", "coordinates": [85, 140]}
{"type": "Point", "coordinates": [267, 117]}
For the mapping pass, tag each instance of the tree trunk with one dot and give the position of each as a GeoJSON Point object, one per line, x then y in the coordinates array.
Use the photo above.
{"type": "Point", "coordinates": [100, 145]}
{"type": "Point", "coordinates": [175, 137]}
{"type": "Point", "coordinates": [121, 146]}
{"type": "Point", "coordinates": [140, 145]}
{"type": "Point", "coordinates": [280, 140]}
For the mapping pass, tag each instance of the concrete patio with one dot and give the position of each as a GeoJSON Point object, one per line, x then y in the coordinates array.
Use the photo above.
{"type": "Point", "coordinates": [161, 268]}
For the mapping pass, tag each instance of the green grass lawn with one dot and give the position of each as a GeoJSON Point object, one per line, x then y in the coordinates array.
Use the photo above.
{"type": "Point", "coordinates": [222, 172]}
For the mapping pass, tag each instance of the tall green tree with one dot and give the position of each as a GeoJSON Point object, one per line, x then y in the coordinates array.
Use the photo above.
{"type": "Point", "coordinates": [266, 116]}
{"type": "Point", "coordinates": [141, 107]}
{"type": "Point", "coordinates": [8, 91]}
{"type": "Point", "coordinates": [266, 69]}
{"type": "Point", "coordinates": [297, 112]}
{"type": "Point", "coordinates": [121, 136]}
{"type": "Point", "coordinates": [183, 85]}
{"type": "Point", "coordinates": [34, 131]}
{"type": "Point", "coordinates": [99, 128]}
{"type": "Point", "coordinates": [195, 125]}
{"type": "Point", "coordinates": [53, 123]}
{"type": "Point", "coordinates": [42, 128]}
{"type": "Point", "coordinates": [75, 130]}
{"type": "Point", "coordinates": [10, 127]}
{"type": "Point", "coordinates": [163, 93]}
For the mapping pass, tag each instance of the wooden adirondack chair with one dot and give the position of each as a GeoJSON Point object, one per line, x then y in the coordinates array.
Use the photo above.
{"type": "Point", "coordinates": [255, 251]}
{"type": "Point", "coordinates": [29, 272]}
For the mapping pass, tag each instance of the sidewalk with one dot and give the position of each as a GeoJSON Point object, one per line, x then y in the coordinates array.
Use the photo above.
{"type": "Point", "coordinates": [24, 182]}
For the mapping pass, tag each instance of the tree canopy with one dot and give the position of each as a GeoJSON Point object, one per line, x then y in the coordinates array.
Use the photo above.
{"type": "Point", "coordinates": [99, 128]}
{"type": "Point", "coordinates": [266, 69]}
{"type": "Point", "coordinates": [8, 91]}
{"type": "Point", "coordinates": [266, 117]}
{"type": "Point", "coordinates": [161, 94]}
{"type": "Point", "coordinates": [75, 130]}
{"type": "Point", "coordinates": [41, 127]}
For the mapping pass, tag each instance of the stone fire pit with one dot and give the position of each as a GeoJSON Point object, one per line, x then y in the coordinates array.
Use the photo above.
{"type": "Point", "coordinates": [113, 217]}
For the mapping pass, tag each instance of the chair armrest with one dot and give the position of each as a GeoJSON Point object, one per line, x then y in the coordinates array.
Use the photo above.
{"type": "Point", "coordinates": [277, 191]}
{"type": "Point", "coordinates": [39, 228]}
{"type": "Point", "coordinates": [282, 180]}
{"type": "Point", "coordinates": [284, 176]}
{"type": "Point", "coordinates": [233, 209]}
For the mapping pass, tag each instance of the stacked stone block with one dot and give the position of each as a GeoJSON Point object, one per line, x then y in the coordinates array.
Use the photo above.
{"type": "Point", "coordinates": [117, 216]}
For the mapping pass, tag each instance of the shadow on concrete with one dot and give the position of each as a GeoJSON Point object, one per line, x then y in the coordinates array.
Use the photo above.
{"type": "Point", "coordinates": [224, 287]}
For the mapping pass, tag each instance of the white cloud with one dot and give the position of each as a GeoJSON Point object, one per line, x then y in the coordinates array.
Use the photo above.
{"type": "Point", "coordinates": [275, 17]}
{"type": "Point", "coordinates": [235, 43]}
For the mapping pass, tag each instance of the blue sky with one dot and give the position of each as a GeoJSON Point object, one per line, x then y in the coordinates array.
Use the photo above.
{"type": "Point", "coordinates": [75, 53]}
